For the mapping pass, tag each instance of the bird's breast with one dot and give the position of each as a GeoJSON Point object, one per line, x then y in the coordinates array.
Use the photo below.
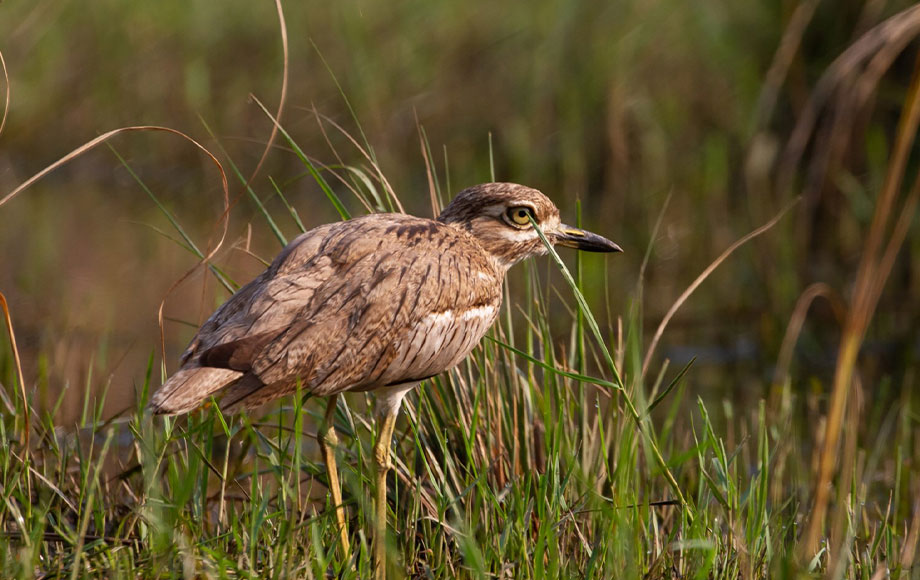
{"type": "Point", "coordinates": [440, 340]}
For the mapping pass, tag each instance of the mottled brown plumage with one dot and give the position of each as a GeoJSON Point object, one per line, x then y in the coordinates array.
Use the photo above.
{"type": "Point", "coordinates": [379, 302]}
{"type": "Point", "coordinates": [345, 307]}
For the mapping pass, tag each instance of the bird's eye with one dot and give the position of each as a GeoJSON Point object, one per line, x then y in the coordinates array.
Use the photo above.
{"type": "Point", "coordinates": [520, 216]}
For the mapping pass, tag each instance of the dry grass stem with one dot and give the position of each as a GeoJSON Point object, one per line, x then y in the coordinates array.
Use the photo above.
{"type": "Point", "coordinates": [870, 280]}
{"type": "Point", "coordinates": [282, 99]}
{"type": "Point", "coordinates": [702, 277]}
{"type": "Point", "coordinates": [6, 91]}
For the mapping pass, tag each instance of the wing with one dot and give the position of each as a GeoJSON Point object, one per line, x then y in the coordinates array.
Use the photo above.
{"type": "Point", "coordinates": [221, 352]}
{"type": "Point", "coordinates": [265, 306]}
{"type": "Point", "coordinates": [364, 303]}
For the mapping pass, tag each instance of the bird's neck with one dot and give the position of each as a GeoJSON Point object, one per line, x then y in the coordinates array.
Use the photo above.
{"type": "Point", "coordinates": [501, 252]}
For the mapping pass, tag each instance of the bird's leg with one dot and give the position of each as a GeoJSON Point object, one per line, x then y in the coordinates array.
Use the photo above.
{"type": "Point", "coordinates": [327, 443]}
{"type": "Point", "coordinates": [382, 461]}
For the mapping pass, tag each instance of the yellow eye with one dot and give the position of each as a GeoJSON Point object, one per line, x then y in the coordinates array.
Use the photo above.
{"type": "Point", "coordinates": [520, 215]}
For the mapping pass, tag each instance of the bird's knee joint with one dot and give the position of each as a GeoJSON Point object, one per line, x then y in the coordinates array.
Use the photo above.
{"type": "Point", "coordinates": [382, 459]}
{"type": "Point", "coordinates": [329, 437]}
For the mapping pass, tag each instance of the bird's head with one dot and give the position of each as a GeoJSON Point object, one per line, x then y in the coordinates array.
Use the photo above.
{"type": "Point", "coordinates": [499, 216]}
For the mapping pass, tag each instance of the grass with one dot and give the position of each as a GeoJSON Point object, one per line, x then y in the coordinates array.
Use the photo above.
{"type": "Point", "coordinates": [544, 455]}
{"type": "Point", "coordinates": [567, 445]}
{"type": "Point", "coordinates": [504, 468]}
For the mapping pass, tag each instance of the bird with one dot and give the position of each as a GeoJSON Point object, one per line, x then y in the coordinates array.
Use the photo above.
{"type": "Point", "coordinates": [375, 303]}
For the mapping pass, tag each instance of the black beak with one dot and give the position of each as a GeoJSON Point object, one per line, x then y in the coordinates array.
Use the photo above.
{"type": "Point", "coordinates": [583, 240]}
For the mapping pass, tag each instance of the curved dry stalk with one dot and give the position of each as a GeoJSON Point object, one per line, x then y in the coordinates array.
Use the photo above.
{"type": "Point", "coordinates": [897, 31]}
{"type": "Point", "coordinates": [282, 28]}
{"type": "Point", "coordinates": [705, 274]}
{"type": "Point", "coordinates": [797, 321]}
{"type": "Point", "coordinates": [282, 99]}
{"type": "Point", "coordinates": [224, 219]}
{"type": "Point", "coordinates": [837, 132]}
{"type": "Point", "coordinates": [6, 101]}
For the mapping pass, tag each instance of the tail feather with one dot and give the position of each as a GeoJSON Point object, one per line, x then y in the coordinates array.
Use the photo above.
{"type": "Point", "coordinates": [247, 393]}
{"type": "Point", "coordinates": [189, 387]}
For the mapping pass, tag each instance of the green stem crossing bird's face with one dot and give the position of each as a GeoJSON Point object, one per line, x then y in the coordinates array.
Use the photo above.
{"type": "Point", "coordinates": [501, 217]}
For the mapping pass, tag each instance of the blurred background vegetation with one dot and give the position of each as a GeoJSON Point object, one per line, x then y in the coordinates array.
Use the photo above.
{"type": "Point", "coordinates": [620, 105]}
{"type": "Point", "coordinates": [673, 128]}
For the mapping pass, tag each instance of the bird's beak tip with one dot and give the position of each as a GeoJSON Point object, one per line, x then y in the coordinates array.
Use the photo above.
{"type": "Point", "coordinates": [580, 239]}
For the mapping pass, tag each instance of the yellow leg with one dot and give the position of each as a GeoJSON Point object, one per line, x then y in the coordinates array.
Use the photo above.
{"type": "Point", "coordinates": [382, 461]}
{"type": "Point", "coordinates": [327, 443]}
